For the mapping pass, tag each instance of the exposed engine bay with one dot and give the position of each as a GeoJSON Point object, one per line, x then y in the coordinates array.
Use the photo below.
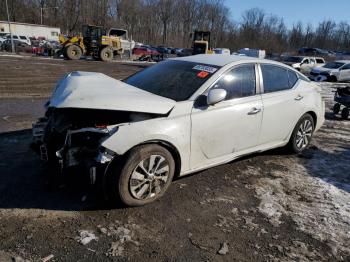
{"type": "Point", "coordinates": [72, 137]}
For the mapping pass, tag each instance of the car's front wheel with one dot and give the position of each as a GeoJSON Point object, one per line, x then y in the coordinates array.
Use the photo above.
{"type": "Point", "coordinates": [302, 134]}
{"type": "Point", "coordinates": [144, 177]}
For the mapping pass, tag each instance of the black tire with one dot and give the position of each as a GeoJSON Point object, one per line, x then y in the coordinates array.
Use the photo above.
{"type": "Point", "coordinates": [336, 108]}
{"type": "Point", "coordinates": [333, 79]}
{"type": "Point", "coordinates": [294, 145]}
{"type": "Point", "coordinates": [345, 113]}
{"type": "Point", "coordinates": [64, 52]}
{"type": "Point", "coordinates": [106, 54]}
{"type": "Point", "coordinates": [74, 52]}
{"type": "Point", "coordinates": [120, 179]}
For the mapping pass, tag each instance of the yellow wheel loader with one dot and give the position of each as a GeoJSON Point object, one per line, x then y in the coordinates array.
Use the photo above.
{"type": "Point", "coordinates": [94, 42]}
{"type": "Point", "coordinates": [201, 43]}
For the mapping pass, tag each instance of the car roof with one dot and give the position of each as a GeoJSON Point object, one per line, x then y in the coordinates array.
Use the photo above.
{"type": "Point", "coordinates": [215, 59]}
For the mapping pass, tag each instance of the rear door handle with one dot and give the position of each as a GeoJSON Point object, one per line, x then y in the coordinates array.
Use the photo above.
{"type": "Point", "coordinates": [254, 111]}
{"type": "Point", "coordinates": [299, 97]}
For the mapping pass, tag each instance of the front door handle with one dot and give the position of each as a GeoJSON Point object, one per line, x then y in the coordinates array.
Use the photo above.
{"type": "Point", "coordinates": [299, 97]}
{"type": "Point", "coordinates": [254, 111]}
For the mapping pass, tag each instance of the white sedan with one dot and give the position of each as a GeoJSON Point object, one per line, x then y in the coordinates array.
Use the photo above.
{"type": "Point", "coordinates": [175, 118]}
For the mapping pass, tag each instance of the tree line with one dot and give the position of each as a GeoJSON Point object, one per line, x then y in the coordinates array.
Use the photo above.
{"type": "Point", "coordinates": [170, 22]}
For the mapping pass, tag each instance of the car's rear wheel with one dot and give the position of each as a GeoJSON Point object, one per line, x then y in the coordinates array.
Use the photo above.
{"type": "Point", "coordinates": [345, 113]}
{"type": "Point", "coordinates": [143, 178]}
{"type": "Point", "coordinates": [302, 134]}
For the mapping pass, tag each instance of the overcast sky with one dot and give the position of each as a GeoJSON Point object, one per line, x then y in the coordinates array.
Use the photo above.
{"type": "Point", "coordinates": [306, 11]}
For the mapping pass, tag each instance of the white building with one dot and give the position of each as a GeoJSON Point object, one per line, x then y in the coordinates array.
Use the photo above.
{"type": "Point", "coordinates": [30, 30]}
{"type": "Point", "coordinates": [253, 52]}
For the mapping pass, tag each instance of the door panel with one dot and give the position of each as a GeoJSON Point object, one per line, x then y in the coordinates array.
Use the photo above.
{"type": "Point", "coordinates": [226, 128]}
{"type": "Point", "coordinates": [281, 110]}
{"type": "Point", "coordinates": [282, 100]}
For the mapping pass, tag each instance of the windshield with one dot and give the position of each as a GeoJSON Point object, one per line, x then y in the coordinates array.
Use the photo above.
{"type": "Point", "coordinates": [293, 59]}
{"type": "Point", "coordinates": [173, 79]}
{"type": "Point", "coordinates": [333, 65]}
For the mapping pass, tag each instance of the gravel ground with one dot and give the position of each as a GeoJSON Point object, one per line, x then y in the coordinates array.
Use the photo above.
{"type": "Point", "coordinates": [265, 207]}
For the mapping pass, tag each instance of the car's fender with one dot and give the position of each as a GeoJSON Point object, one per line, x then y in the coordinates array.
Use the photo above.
{"type": "Point", "coordinates": [174, 130]}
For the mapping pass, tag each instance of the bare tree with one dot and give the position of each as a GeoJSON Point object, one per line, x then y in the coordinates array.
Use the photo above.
{"type": "Point", "coordinates": [170, 22]}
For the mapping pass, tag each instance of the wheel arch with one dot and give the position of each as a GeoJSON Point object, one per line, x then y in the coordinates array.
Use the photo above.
{"type": "Point", "coordinates": [166, 144]}
{"type": "Point", "coordinates": [313, 115]}
{"type": "Point", "coordinates": [170, 147]}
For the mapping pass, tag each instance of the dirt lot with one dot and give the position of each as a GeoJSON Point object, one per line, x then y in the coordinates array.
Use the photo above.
{"type": "Point", "coordinates": [266, 207]}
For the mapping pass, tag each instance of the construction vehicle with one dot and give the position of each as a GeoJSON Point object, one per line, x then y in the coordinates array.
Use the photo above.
{"type": "Point", "coordinates": [95, 42]}
{"type": "Point", "coordinates": [201, 43]}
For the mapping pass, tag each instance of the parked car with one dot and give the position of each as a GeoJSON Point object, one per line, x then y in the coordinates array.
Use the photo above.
{"type": "Point", "coordinates": [175, 118]}
{"type": "Point", "coordinates": [222, 51]}
{"type": "Point", "coordinates": [310, 51]}
{"type": "Point", "coordinates": [184, 52]}
{"type": "Point", "coordinates": [140, 51]}
{"type": "Point", "coordinates": [333, 71]}
{"type": "Point", "coordinates": [21, 38]}
{"type": "Point", "coordinates": [162, 50]}
{"type": "Point", "coordinates": [304, 64]}
{"type": "Point", "coordinates": [18, 45]}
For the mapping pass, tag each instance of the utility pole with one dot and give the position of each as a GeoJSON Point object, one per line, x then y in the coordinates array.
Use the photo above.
{"type": "Point", "coordinates": [8, 20]}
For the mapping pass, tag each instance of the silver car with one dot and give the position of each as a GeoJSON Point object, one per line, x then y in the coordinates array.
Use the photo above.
{"type": "Point", "coordinates": [174, 118]}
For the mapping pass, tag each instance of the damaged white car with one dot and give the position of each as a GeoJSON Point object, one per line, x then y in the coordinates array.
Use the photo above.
{"type": "Point", "coordinates": [175, 118]}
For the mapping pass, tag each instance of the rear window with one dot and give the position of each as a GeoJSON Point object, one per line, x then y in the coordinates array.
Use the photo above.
{"type": "Point", "coordinates": [173, 79]}
{"type": "Point", "coordinates": [319, 61]}
{"type": "Point", "coordinates": [23, 37]}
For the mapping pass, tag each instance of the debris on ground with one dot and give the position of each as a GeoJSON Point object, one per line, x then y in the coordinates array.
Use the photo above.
{"type": "Point", "coordinates": [220, 199]}
{"type": "Point", "coordinates": [196, 244]}
{"type": "Point", "coordinates": [48, 258]}
{"type": "Point", "coordinates": [85, 237]}
{"type": "Point", "coordinates": [121, 235]}
{"type": "Point", "coordinates": [223, 249]}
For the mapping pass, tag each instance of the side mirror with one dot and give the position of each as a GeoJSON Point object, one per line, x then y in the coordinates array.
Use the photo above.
{"type": "Point", "coordinates": [215, 96]}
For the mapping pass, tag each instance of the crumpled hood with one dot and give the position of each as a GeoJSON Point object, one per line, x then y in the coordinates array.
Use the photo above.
{"type": "Point", "coordinates": [98, 91]}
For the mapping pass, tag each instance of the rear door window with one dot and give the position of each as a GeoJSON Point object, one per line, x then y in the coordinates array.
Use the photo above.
{"type": "Point", "coordinates": [292, 78]}
{"type": "Point", "coordinates": [23, 37]}
{"type": "Point", "coordinates": [276, 78]}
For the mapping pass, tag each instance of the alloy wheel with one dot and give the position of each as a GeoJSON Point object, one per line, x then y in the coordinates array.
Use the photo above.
{"type": "Point", "coordinates": [304, 134]}
{"type": "Point", "coordinates": [149, 177]}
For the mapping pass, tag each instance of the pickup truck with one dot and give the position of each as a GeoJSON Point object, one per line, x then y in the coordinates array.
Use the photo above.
{"type": "Point", "coordinates": [304, 64]}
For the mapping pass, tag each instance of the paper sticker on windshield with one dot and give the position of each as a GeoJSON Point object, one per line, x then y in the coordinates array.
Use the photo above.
{"type": "Point", "coordinates": [202, 74]}
{"type": "Point", "coordinates": [204, 68]}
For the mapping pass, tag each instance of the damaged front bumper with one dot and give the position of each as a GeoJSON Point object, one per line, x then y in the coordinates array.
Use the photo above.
{"type": "Point", "coordinates": [81, 149]}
